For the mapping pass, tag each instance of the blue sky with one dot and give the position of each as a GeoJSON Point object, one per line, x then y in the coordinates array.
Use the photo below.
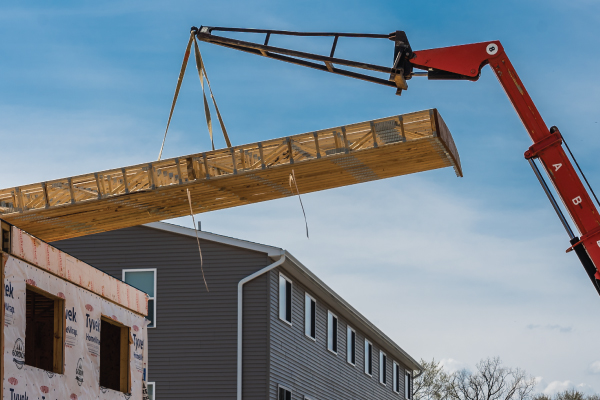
{"type": "Point", "coordinates": [452, 268]}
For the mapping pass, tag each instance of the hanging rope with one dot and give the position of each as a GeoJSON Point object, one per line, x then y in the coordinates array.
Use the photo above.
{"type": "Point", "coordinates": [197, 238]}
{"type": "Point", "coordinates": [293, 179]}
{"type": "Point", "coordinates": [179, 80]}
{"type": "Point", "coordinates": [202, 75]}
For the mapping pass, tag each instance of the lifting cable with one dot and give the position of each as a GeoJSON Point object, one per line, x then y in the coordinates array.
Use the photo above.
{"type": "Point", "coordinates": [202, 75]}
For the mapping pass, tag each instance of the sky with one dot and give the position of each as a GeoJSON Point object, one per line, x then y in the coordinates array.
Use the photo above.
{"type": "Point", "coordinates": [456, 269]}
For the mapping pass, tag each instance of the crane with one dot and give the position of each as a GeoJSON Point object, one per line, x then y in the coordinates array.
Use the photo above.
{"type": "Point", "coordinates": [462, 62]}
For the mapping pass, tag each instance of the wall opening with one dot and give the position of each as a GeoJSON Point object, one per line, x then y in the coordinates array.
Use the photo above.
{"type": "Point", "coordinates": [114, 356]}
{"type": "Point", "coordinates": [4, 237]}
{"type": "Point", "coordinates": [44, 330]}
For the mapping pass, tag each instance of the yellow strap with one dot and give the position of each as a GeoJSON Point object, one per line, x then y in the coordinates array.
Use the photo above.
{"type": "Point", "coordinates": [202, 74]}
{"type": "Point", "coordinates": [179, 80]}
{"type": "Point", "coordinates": [189, 196]}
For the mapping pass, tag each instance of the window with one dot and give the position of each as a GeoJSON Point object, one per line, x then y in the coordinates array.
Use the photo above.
{"type": "Point", "coordinates": [44, 327]}
{"type": "Point", "coordinates": [396, 383]}
{"type": "Point", "coordinates": [310, 315]}
{"type": "Point", "coordinates": [114, 355]}
{"type": "Point", "coordinates": [285, 299]}
{"type": "Point", "coordinates": [407, 385]}
{"type": "Point", "coordinates": [351, 346]}
{"type": "Point", "coordinates": [284, 394]}
{"type": "Point", "coordinates": [332, 332]}
{"type": "Point", "coordinates": [4, 237]}
{"type": "Point", "coordinates": [382, 368]}
{"type": "Point", "coordinates": [150, 389]}
{"type": "Point", "coordinates": [368, 358]}
{"type": "Point", "coordinates": [144, 280]}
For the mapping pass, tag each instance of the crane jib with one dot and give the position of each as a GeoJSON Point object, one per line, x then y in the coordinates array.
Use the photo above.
{"type": "Point", "coordinates": [459, 62]}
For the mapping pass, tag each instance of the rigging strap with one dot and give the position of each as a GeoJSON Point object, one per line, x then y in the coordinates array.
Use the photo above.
{"type": "Point", "coordinates": [202, 75]}
{"type": "Point", "coordinates": [179, 80]}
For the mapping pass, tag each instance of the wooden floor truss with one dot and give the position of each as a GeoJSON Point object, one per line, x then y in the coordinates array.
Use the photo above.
{"type": "Point", "coordinates": [154, 191]}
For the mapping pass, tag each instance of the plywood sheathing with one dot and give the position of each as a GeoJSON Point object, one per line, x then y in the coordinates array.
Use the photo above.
{"type": "Point", "coordinates": [123, 197]}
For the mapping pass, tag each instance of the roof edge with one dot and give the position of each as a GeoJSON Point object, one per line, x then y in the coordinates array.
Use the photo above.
{"type": "Point", "coordinates": [271, 251]}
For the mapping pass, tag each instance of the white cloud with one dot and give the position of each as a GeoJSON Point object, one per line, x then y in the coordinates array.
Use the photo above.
{"type": "Point", "coordinates": [560, 386]}
{"type": "Point", "coordinates": [551, 327]}
{"type": "Point", "coordinates": [595, 367]}
{"type": "Point", "coordinates": [451, 365]}
{"type": "Point", "coordinates": [540, 384]}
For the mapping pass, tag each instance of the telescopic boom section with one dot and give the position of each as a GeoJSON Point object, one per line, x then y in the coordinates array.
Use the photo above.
{"type": "Point", "coordinates": [458, 63]}
{"type": "Point", "coordinates": [465, 62]}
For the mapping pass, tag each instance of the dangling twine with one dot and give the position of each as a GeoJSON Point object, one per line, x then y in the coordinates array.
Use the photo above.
{"type": "Point", "coordinates": [197, 238]}
{"type": "Point", "coordinates": [293, 179]}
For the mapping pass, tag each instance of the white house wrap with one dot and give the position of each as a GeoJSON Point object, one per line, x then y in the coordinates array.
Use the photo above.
{"type": "Point", "coordinates": [83, 312]}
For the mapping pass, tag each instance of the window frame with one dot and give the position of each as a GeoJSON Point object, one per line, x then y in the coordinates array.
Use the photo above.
{"type": "Point", "coordinates": [153, 384]}
{"type": "Point", "coordinates": [125, 353]}
{"type": "Point", "coordinates": [396, 377]}
{"type": "Point", "coordinates": [350, 330]}
{"type": "Point", "coordinates": [369, 360]}
{"type": "Point", "coordinates": [407, 385]}
{"type": "Point", "coordinates": [382, 368]}
{"type": "Point", "coordinates": [279, 387]}
{"type": "Point", "coordinates": [291, 298]}
{"type": "Point", "coordinates": [306, 297]}
{"type": "Point", "coordinates": [337, 326]}
{"type": "Point", "coordinates": [58, 351]}
{"type": "Point", "coordinates": [155, 270]}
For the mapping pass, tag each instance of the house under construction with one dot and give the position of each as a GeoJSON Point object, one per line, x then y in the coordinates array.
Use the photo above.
{"type": "Point", "coordinates": [70, 330]}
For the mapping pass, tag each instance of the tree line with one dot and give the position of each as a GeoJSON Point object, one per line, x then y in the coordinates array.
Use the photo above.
{"type": "Point", "coordinates": [490, 381]}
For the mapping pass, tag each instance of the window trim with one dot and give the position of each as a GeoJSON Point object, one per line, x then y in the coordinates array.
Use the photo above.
{"type": "Point", "coordinates": [382, 371]}
{"type": "Point", "coordinates": [395, 377]}
{"type": "Point", "coordinates": [337, 342]}
{"type": "Point", "coordinates": [291, 298]}
{"type": "Point", "coordinates": [348, 358]}
{"type": "Point", "coordinates": [315, 301]}
{"type": "Point", "coordinates": [153, 384]}
{"type": "Point", "coordinates": [366, 370]}
{"type": "Point", "coordinates": [155, 270]}
{"type": "Point", "coordinates": [285, 388]}
{"type": "Point", "coordinates": [408, 388]}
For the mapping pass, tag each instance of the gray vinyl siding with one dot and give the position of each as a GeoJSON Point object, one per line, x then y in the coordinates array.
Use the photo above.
{"type": "Point", "coordinates": [309, 369]}
{"type": "Point", "coordinates": [192, 350]}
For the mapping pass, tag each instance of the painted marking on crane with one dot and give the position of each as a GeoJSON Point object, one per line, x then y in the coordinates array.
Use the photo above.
{"type": "Point", "coordinates": [492, 49]}
{"type": "Point", "coordinates": [556, 167]}
{"type": "Point", "coordinates": [598, 243]}
{"type": "Point", "coordinates": [577, 200]}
